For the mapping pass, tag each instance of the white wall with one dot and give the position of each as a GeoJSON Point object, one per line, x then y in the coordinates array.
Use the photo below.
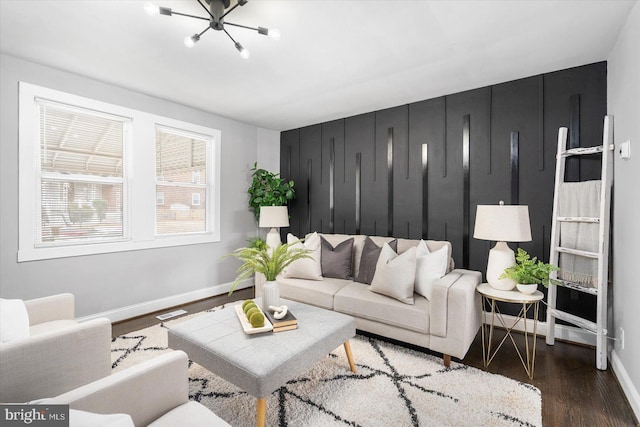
{"type": "Point", "coordinates": [112, 281]}
{"type": "Point", "coordinates": [624, 104]}
{"type": "Point", "coordinates": [269, 149]}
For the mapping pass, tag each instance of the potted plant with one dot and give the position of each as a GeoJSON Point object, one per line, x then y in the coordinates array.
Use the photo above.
{"type": "Point", "coordinates": [259, 258]}
{"type": "Point", "coordinates": [528, 273]}
{"type": "Point", "coordinates": [268, 189]}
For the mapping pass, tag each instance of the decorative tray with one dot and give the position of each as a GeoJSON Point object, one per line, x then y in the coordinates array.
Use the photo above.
{"type": "Point", "coordinates": [248, 329]}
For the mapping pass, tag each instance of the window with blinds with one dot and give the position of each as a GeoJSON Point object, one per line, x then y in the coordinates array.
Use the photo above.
{"type": "Point", "coordinates": [181, 182]}
{"type": "Point", "coordinates": [82, 182]}
{"type": "Point", "coordinates": [88, 170]}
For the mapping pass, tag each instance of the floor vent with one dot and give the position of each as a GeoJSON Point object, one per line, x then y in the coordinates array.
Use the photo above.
{"type": "Point", "coordinates": [166, 316]}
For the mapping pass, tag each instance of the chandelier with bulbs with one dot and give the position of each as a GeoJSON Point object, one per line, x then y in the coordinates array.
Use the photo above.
{"type": "Point", "coordinates": [217, 11]}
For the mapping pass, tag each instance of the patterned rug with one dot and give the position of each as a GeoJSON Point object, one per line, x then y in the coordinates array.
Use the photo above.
{"type": "Point", "coordinates": [394, 386]}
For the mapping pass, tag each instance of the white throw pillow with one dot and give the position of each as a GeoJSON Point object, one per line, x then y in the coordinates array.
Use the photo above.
{"type": "Point", "coordinates": [395, 274]}
{"type": "Point", "coordinates": [89, 419]}
{"type": "Point", "coordinates": [14, 320]}
{"type": "Point", "coordinates": [430, 267]}
{"type": "Point", "coordinates": [306, 268]}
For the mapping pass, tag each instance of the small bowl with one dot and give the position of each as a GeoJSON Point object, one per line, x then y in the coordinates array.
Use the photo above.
{"type": "Point", "coordinates": [527, 288]}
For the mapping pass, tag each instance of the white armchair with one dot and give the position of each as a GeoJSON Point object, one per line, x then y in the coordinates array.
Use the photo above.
{"type": "Point", "coordinates": [154, 393]}
{"type": "Point", "coordinates": [59, 355]}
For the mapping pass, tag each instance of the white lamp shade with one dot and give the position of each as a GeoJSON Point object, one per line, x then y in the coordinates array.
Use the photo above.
{"type": "Point", "coordinates": [502, 223]}
{"type": "Point", "coordinates": [273, 216]}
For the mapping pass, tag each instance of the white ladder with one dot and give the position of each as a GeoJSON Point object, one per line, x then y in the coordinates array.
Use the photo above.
{"type": "Point", "coordinates": [599, 327]}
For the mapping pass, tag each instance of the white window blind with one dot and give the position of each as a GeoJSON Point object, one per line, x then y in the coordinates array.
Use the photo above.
{"type": "Point", "coordinates": [82, 183]}
{"type": "Point", "coordinates": [181, 177]}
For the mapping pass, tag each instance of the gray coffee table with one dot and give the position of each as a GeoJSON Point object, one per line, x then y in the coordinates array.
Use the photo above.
{"type": "Point", "coordinates": [260, 364]}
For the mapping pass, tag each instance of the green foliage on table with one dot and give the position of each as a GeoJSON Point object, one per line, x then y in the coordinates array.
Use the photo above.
{"type": "Point", "coordinates": [268, 189]}
{"type": "Point", "coordinates": [529, 270]}
{"type": "Point", "coordinates": [260, 259]}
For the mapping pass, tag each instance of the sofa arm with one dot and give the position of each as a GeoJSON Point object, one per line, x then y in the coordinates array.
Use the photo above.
{"type": "Point", "coordinates": [465, 283]}
{"type": "Point", "coordinates": [55, 362]}
{"type": "Point", "coordinates": [145, 391]}
{"type": "Point", "coordinates": [47, 309]}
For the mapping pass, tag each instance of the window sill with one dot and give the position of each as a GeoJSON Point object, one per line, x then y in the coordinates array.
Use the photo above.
{"type": "Point", "coordinates": [52, 252]}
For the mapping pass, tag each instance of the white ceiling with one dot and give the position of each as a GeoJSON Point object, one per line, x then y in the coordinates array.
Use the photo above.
{"type": "Point", "coordinates": [335, 58]}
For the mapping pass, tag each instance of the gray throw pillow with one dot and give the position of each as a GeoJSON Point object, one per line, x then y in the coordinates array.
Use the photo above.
{"type": "Point", "coordinates": [369, 259]}
{"type": "Point", "coordinates": [336, 262]}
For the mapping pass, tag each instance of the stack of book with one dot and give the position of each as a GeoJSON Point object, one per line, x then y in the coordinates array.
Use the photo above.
{"type": "Point", "coordinates": [287, 323]}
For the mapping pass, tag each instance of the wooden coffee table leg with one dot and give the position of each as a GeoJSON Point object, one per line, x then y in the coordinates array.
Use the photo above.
{"type": "Point", "coordinates": [261, 417]}
{"type": "Point", "coordinates": [347, 349]}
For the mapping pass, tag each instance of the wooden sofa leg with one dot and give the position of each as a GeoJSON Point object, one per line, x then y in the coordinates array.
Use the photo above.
{"type": "Point", "coordinates": [447, 360]}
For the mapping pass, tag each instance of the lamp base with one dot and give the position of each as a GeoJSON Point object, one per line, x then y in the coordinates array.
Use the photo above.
{"type": "Point", "coordinates": [273, 238]}
{"type": "Point", "coordinates": [500, 257]}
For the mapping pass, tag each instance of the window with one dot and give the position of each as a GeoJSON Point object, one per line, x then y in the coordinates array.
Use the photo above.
{"type": "Point", "coordinates": [81, 175]}
{"type": "Point", "coordinates": [88, 182]}
{"type": "Point", "coordinates": [181, 170]}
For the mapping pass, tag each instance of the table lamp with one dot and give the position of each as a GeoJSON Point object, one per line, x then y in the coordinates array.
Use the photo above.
{"type": "Point", "coordinates": [273, 217]}
{"type": "Point", "coordinates": [501, 224]}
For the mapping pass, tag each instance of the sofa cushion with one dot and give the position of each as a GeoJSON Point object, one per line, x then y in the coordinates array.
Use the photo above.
{"type": "Point", "coordinates": [395, 274]}
{"type": "Point", "coordinates": [369, 259]}
{"type": "Point", "coordinates": [336, 260]}
{"type": "Point", "coordinates": [319, 294]}
{"type": "Point", "coordinates": [432, 245]}
{"type": "Point", "coordinates": [358, 244]}
{"type": "Point", "coordinates": [430, 267]}
{"type": "Point", "coordinates": [306, 268]}
{"type": "Point", "coordinates": [355, 299]}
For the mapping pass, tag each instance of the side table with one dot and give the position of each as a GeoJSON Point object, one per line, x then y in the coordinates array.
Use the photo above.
{"type": "Point", "coordinates": [489, 298]}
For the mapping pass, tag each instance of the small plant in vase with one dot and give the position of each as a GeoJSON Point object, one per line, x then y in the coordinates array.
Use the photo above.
{"type": "Point", "coordinates": [271, 262]}
{"type": "Point", "coordinates": [528, 273]}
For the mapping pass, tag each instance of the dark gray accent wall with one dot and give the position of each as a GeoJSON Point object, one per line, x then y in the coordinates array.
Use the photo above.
{"type": "Point", "coordinates": [511, 141]}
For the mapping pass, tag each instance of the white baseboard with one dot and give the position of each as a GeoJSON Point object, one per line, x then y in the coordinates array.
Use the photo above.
{"type": "Point", "coordinates": [563, 332]}
{"type": "Point", "coordinates": [629, 389]}
{"type": "Point", "coordinates": [146, 307]}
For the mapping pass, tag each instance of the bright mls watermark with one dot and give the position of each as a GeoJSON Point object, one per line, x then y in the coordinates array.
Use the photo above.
{"type": "Point", "coordinates": [34, 415]}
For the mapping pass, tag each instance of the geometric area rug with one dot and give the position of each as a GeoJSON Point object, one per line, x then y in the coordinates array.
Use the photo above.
{"type": "Point", "coordinates": [393, 386]}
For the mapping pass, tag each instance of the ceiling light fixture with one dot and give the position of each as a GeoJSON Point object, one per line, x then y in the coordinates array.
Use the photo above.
{"type": "Point", "coordinates": [216, 11]}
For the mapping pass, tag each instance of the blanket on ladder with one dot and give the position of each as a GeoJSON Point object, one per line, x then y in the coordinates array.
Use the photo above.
{"type": "Point", "coordinates": [579, 199]}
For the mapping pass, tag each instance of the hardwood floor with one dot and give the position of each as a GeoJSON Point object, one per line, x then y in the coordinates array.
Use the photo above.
{"type": "Point", "coordinates": [574, 392]}
{"type": "Point", "coordinates": [147, 320]}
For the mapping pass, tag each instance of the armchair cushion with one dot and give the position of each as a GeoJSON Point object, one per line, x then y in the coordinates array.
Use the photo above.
{"type": "Point", "coordinates": [83, 419]}
{"type": "Point", "coordinates": [14, 321]}
{"type": "Point", "coordinates": [190, 414]}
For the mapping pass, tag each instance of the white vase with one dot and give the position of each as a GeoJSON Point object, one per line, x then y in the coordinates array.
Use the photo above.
{"type": "Point", "coordinates": [270, 294]}
{"type": "Point", "coordinates": [527, 288]}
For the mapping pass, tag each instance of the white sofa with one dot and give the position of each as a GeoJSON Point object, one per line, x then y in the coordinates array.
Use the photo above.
{"type": "Point", "coordinates": [447, 324]}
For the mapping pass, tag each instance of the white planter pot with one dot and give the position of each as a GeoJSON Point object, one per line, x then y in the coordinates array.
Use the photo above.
{"type": "Point", "coordinates": [527, 288]}
{"type": "Point", "coordinates": [270, 294]}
